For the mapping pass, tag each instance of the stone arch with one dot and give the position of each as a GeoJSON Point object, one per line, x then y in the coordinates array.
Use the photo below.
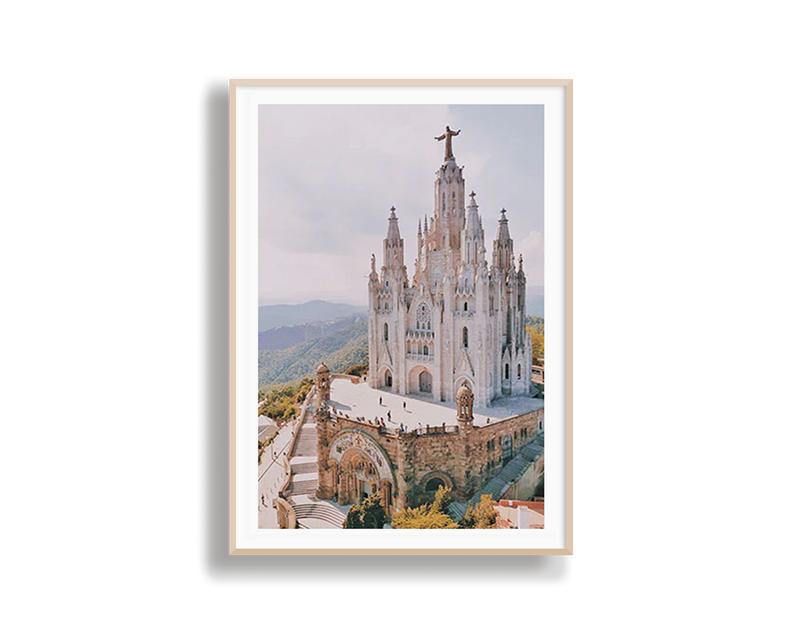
{"type": "Point", "coordinates": [420, 380]}
{"type": "Point", "coordinates": [434, 479]}
{"type": "Point", "coordinates": [386, 377]}
{"type": "Point", "coordinates": [362, 467]}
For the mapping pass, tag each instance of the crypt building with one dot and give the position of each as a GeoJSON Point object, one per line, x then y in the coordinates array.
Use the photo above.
{"type": "Point", "coordinates": [460, 318]}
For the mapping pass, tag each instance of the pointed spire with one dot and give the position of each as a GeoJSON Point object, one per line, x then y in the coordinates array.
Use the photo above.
{"type": "Point", "coordinates": [426, 224]}
{"type": "Point", "coordinates": [520, 262]}
{"type": "Point", "coordinates": [502, 229]}
{"type": "Point", "coordinates": [394, 231]}
{"type": "Point", "coordinates": [473, 222]}
{"type": "Point", "coordinates": [419, 228]}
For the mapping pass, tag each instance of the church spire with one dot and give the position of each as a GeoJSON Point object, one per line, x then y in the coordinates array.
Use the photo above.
{"type": "Point", "coordinates": [393, 258]}
{"type": "Point", "coordinates": [394, 231]}
{"type": "Point", "coordinates": [503, 254]}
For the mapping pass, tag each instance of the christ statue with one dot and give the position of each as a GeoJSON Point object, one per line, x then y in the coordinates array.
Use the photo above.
{"type": "Point", "coordinates": [447, 136]}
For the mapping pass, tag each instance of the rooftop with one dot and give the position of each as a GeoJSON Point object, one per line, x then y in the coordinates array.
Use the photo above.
{"type": "Point", "coordinates": [360, 400]}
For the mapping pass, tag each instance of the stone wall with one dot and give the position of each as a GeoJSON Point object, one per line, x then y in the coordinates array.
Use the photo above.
{"type": "Point", "coordinates": [462, 456]}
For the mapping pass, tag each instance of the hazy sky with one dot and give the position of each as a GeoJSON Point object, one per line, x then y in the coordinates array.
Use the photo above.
{"type": "Point", "coordinates": [329, 173]}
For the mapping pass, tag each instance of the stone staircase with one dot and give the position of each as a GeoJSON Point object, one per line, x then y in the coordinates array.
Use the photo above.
{"type": "Point", "coordinates": [509, 474]}
{"type": "Point", "coordinates": [306, 443]}
{"type": "Point", "coordinates": [320, 512]}
{"type": "Point", "coordinates": [302, 489]}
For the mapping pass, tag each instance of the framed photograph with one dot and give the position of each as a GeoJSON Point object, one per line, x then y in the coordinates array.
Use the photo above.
{"type": "Point", "coordinates": [397, 248]}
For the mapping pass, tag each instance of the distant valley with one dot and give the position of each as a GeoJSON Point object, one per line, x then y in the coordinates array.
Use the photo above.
{"type": "Point", "coordinates": [289, 315]}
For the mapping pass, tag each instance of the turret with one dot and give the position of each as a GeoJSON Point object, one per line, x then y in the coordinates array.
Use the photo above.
{"type": "Point", "coordinates": [503, 254]}
{"type": "Point", "coordinates": [464, 401]}
{"type": "Point", "coordinates": [324, 383]}
{"type": "Point", "coordinates": [472, 244]}
{"type": "Point", "coordinates": [393, 254]}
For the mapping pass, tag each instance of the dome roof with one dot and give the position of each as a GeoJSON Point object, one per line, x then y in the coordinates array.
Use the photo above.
{"type": "Point", "coordinates": [322, 368]}
{"type": "Point", "coordinates": [464, 392]}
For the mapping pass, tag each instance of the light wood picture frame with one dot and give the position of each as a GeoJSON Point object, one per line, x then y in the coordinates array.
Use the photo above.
{"type": "Point", "coordinates": [562, 97]}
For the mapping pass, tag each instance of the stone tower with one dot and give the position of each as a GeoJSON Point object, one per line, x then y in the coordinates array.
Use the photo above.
{"type": "Point", "coordinates": [464, 400]}
{"type": "Point", "coordinates": [324, 383]}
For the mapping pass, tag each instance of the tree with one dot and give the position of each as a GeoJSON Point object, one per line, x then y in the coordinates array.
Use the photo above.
{"type": "Point", "coordinates": [442, 499]}
{"type": "Point", "coordinates": [357, 370]}
{"type": "Point", "coordinates": [480, 516]}
{"type": "Point", "coordinates": [537, 343]}
{"type": "Point", "coordinates": [427, 516]}
{"type": "Point", "coordinates": [368, 514]}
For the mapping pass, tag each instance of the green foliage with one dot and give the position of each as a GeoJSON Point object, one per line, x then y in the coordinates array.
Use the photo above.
{"type": "Point", "coordinates": [357, 370]}
{"type": "Point", "coordinates": [423, 517]}
{"type": "Point", "coordinates": [480, 516]}
{"type": "Point", "coordinates": [442, 499]}
{"type": "Point", "coordinates": [368, 514]}
{"type": "Point", "coordinates": [537, 343]}
{"type": "Point", "coordinates": [280, 403]}
{"type": "Point", "coordinates": [536, 323]}
{"type": "Point", "coordinates": [535, 328]}
{"type": "Point", "coordinates": [427, 516]}
{"type": "Point", "coordinates": [341, 349]}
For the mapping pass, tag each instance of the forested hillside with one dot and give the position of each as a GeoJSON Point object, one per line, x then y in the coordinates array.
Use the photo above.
{"type": "Point", "coordinates": [288, 354]}
{"type": "Point", "coordinates": [341, 344]}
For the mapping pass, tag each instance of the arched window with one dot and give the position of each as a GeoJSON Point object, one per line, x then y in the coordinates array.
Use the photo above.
{"type": "Point", "coordinates": [519, 371]}
{"type": "Point", "coordinates": [506, 371]}
{"type": "Point", "coordinates": [425, 350]}
{"type": "Point", "coordinates": [385, 332]}
{"type": "Point", "coordinates": [423, 318]}
{"type": "Point", "coordinates": [465, 337]}
{"type": "Point", "coordinates": [466, 307]}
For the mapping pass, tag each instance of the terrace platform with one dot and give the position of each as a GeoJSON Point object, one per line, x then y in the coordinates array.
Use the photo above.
{"type": "Point", "coordinates": [357, 400]}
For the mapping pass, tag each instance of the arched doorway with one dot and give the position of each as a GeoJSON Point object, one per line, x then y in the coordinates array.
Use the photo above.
{"type": "Point", "coordinates": [361, 478]}
{"type": "Point", "coordinates": [420, 380]}
{"type": "Point", "coordinates": [425, 382]}
{"type": "Point", "coordinates": [361, 468]}
{"type": "Point", "coordinates": [385, 378]}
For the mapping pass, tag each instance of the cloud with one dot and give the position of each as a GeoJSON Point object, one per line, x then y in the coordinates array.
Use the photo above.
{"type": "Point", "coordinates": [329, 173]}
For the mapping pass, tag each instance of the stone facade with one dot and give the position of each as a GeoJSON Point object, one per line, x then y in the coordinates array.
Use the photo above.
{"type": "Point", "coordinates": [460, 318]}
{"type": "Point", "coordinates": [359, 458]}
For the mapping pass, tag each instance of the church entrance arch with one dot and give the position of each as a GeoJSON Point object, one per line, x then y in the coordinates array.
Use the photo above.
{"type": "Point", "coordinates": [362, 468]}
{"type": "Point", "coordinates": [425, 382]}
{"type": "Point", "coordinates": [420, 380]}
{"type": "Point", "coordinates": [385, 378]}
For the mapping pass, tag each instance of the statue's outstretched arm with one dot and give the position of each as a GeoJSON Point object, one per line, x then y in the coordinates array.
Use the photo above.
{"type": "Point", "coordinates": [441, 137]}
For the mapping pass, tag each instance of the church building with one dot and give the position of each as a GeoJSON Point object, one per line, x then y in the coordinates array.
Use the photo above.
{"type": "Point", "coordinates": [460, 319]}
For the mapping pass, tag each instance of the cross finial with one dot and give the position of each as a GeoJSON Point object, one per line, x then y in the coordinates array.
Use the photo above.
{"type": "Point", "coordinates": [502, 210]}
{"type": "Point", "coordinates": [392, 209]}
{"type": "Point", "coordinates": [472, 195]}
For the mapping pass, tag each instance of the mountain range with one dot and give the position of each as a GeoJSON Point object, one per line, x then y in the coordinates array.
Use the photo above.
{"type": "Point", "coordinates": [289, 315]}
